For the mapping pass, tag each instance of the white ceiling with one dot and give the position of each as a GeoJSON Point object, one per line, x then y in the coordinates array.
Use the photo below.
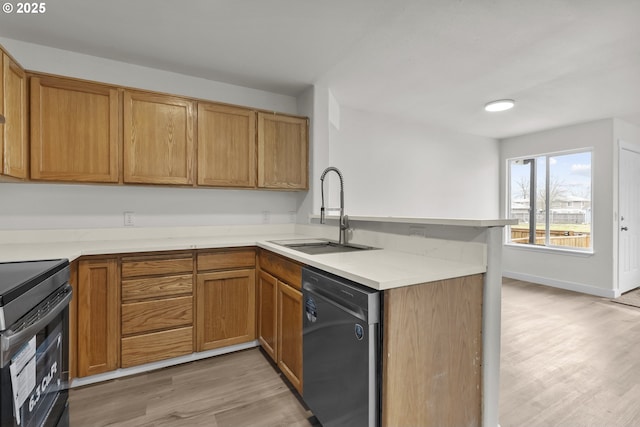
{"type": "Point", "coordinates": [433, 61]}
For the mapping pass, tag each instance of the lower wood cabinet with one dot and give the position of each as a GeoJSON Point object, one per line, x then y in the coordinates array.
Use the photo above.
{"type": "Point", "coordinates": [226, 308]}
{"type": "Point", "coordinates": [157, 307]}
{"type": "Point", "coordinates": [290, 333]}
{"type": "Point", "coordinates": [98, 320]}
{"type": "Point", "coordinates": [129, 310]}
{"type": "Point", "coordinates": [155, 346]}
{"type": "Point", "coordinates": [267, 313]}
{"type": "Point", "coordinates": [153, 315]}
{"type": "Point", "coordinates": [226, 298]}
{"type": "Point", "coordinates": [280, 314]}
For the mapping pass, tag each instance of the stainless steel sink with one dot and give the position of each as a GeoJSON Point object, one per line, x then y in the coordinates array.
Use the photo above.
{"type": "Point", "coordinates": [320, 246]}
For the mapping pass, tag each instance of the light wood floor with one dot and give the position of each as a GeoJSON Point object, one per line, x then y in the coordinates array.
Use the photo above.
{"type": "Point", "coordinates": [568, 359]}
{"type": "Point", "coordinates": [238, 389]}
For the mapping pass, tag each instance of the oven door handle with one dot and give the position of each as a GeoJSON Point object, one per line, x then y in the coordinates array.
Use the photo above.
{"type": "Point", "coordinates": [10, 339]}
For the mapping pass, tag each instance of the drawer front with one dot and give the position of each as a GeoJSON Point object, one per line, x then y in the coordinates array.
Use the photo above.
{"type": "Point", "coordinates": [156, 265]}
{"type": "Point", "coordinates": [154, 287]}
{"type": "Point", "coordinates": [285, 270]}
{"type": "Point", "coordinates": [149, 316]}
{"type": "Point", "coordinates": [227, 259]}
{"type": "Point", "coordinates": [156, 346]}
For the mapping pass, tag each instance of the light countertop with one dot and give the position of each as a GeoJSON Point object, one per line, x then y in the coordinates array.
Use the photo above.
{"type": "Point", "coordinates": [379, 269]}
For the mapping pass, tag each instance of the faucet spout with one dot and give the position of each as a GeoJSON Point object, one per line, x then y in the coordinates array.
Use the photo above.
{"type": "Point", "coordinates": [344, 219]}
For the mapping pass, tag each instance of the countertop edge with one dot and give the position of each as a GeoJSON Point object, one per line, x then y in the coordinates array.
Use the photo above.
{"type": "Point", "coordinates": [460, 222]}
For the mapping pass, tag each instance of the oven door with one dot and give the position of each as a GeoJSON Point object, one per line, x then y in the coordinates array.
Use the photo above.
{"type": "Point", "coordinates": [34, 356]}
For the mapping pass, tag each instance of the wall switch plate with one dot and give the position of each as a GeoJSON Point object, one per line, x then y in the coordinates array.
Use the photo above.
{"type": "Point", "coordinates": [129, 219]}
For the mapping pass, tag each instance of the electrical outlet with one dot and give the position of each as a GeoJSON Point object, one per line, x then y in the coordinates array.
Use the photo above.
{"type": "Point", "coordinates": [129, 219]}
{"type": "Point", "coordinates": [266, 217]}
{"type": "Point", "coordinates": [293, 217]}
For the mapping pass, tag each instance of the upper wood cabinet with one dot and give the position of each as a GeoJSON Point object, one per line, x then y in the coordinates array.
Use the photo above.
{"type": "Point", "coordinates": [226, 146]}
{"type": "Point", "coordinates": [70, 130]}
{"type": "Point", "coordinates": [283, 148]}
{"type": "Point", "coordinates": [74, 130]}
{"type": "Point", "coordinates": [13, 106]}
{"type": "Point", "coordinates": [158, 139]}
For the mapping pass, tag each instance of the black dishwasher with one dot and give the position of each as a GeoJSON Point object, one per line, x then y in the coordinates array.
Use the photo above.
{"type": "Point", "coordinates": [341, 342]}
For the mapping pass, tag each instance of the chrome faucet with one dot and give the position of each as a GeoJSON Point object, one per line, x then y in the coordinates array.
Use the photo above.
{"type": "Point", "coordinates": [344, 219]}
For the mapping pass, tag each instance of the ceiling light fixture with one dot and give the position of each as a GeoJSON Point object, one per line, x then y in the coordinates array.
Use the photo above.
{"type": "Point", "coordinates": [499, 105]}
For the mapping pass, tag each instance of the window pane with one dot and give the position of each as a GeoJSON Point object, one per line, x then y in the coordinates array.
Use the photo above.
{"type": "Point", "coordinates": [530, 212]}
{"type": "Point", "coordinates": [570, 195]}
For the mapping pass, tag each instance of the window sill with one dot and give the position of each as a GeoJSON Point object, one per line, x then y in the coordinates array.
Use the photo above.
{"type": "Point", "coordinates": [551, 250]}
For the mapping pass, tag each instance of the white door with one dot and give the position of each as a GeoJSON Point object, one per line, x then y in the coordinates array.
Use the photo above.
{"type": "Point", "coordinates": [629, 219]}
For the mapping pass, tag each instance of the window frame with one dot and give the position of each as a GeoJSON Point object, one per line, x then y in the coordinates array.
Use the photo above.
{"type": "Point", "coordinates": [547, 247]}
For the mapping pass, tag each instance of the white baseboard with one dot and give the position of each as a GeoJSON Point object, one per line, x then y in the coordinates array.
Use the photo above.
{"type": "Point", "coordinates": [569, 286]}
{"type": "Point", "coordinates": [120, 373]}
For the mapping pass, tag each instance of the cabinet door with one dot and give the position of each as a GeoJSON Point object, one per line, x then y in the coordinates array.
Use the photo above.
{"type": "Point", "coordinates": [13, 137]}
{"type": "Point", "coordinates": [226, 146]}
{"type": "Point", "coordinates": [226, 304]}
{"type": "Point", "coordinates": [74, 130]}
{"type": "Point", "coordinates": [290, 334]}
{"type": "Point", "coordinates": [267, 313]}
{"type": "Point", "coordinates": [158, 139]}
{"type": "Point", "coordinates": [98, 317]}
{"type": "Point", "coordinates": [282, 152]}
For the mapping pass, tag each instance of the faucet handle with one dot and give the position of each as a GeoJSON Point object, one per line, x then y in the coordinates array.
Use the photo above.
{"type": "Point", "coordinates": [344, 222]}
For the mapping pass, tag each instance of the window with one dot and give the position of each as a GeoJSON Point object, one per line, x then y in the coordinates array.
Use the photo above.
{"type": "Point", "coordinates": [550, 195]}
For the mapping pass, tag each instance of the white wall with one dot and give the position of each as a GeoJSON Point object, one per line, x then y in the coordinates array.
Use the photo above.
{"type": "Point", "coordinates": [592, 273]}
{"type": "Point", "coordinates": [48, 206]}
{"type": "Point", "coordinates": [45, 59]}
{"type": "Point", "coordinates": [313, 103]}
{"type": "Point", "coordinates": [24, 206]}
{"type": "Point", "coordinates": [396, 168]}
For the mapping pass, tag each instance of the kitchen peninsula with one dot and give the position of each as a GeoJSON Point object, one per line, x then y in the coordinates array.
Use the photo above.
{"type": "Point", "coordinates": [402, 262]}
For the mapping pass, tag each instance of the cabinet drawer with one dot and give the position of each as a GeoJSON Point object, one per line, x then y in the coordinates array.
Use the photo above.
{"type": "Point", "coordinates": [156, 265]}
{"type": "Point", "coordinates": [227, 259]}
{"type": "Point", "coordinates": [288, 271]}
{"type": "Point", "coordinates": [156, 346]}
{"type": "Point", "coordinates": [149, 316]}
{"type": "Point", "coordinates": [154, 287]}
